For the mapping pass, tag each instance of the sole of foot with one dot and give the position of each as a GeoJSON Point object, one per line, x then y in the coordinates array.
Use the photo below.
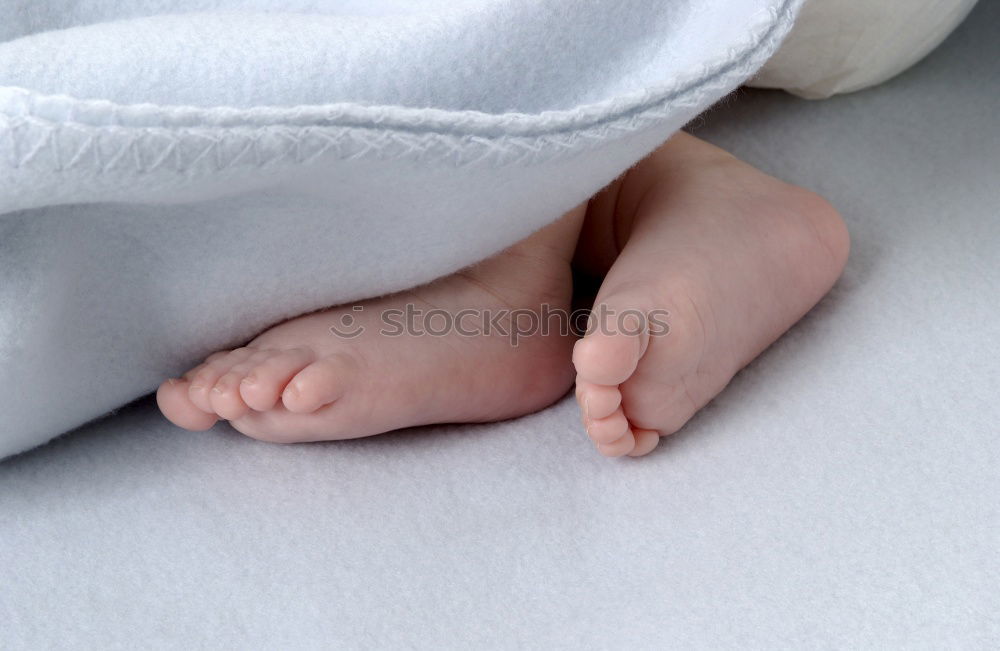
{"type": "Point", "coordinates": [718, 261]}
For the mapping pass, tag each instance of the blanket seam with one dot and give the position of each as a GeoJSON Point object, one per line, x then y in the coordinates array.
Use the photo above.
{"type": "Point", "coordinates": [149, 148]}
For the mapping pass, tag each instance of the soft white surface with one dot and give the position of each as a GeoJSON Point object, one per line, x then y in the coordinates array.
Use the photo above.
{"type": "Point", "coordinates": [840, 46]}
{"type": "Point", "coordinates": [493, 56]}
{"type": "Point", "coordinates": [841, 494]}
{"type": "Point", "coordinates": [318, 157]}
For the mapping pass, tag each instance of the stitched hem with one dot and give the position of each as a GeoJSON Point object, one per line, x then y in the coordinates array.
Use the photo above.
{"type": "Point", "coordinates": [60, 133]}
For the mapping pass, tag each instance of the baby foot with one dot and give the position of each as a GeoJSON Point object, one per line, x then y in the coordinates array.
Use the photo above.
{"type": "Point", "coordinates": [735, 257]}
{"type": "Point", "coordinates": [301, 381]}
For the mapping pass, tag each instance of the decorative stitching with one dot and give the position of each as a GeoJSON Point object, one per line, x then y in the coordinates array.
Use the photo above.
{"type": "Point", "coordinates": [457, 138]}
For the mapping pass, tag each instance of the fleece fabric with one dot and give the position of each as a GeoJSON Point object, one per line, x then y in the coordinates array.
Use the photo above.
{"type": "Point", "coordinates": [176, 176]}
{"type": "Point", "coordinates": [842, 493]}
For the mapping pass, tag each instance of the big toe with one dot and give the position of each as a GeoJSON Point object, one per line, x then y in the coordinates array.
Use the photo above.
{"type": "Point", "coordinates": [172, 399]}
{"type": "Point", "coordinates": [611, 349]}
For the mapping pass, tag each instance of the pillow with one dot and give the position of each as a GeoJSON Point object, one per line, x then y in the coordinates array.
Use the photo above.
{"type": "Point", "coordinates": [177, 175]}
{"type": "Point", "coordinates": [840, 46]}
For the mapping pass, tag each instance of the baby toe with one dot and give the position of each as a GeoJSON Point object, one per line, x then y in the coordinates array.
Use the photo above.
{"type": "Point", "coordinates": [225, 395]}
{"type": "Point", "coordinates": [204, 377]}
{"type": "Point", "coordinates": [618, 448]}
{"type": "Point", "coordinates": [609, 429]}
{"type": "Point", "coordinates": [645, 442]}
{"type": "Point", "coordinates": [200, 382]}
{"type": "Point", "coordinates": [609, 354]}
{"type": "Point", "coordinates": [319, 384]}
{"type": "Point", "coordinates": [263, 385]}
{"type": "Point", "coordinates": [172, 399]}
{"type": "Point", "coordinates": [597, 400]}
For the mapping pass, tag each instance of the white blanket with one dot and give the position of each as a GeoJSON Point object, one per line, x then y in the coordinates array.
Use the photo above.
{"type": "Point", "coordinates": [177, 175]}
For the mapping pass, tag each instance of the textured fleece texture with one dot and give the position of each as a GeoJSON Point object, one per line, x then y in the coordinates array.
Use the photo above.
{"type": "Point", "coordinates": [841, 494]}
{"type": "Point", "coordinates": [175, 177]}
